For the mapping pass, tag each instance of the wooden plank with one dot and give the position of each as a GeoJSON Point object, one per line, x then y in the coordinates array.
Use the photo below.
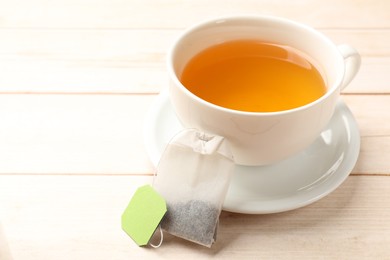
{"type": "Point", "coordinates": [374, 156]}
{"type": "Point", "coordinates": [132, 61]}
{"type": "Point", "coordinates": [371, 113]}
{"type": "Point", "coordinates": [372, 116]}
{"type": "Point", "coordinates": [102, 134]}
{"type": "Point", "coordinates": [75, 134]}
{"type": "Point", "coordinates": [373, 42]}
{"type": "Point", "coordinates": [78, 217]}
{"type": "Point", "coordinates": [145, 46]}
{"type": "Point", "coordinates": [123, 77]}
{"type": "Point", "coordinates": [80, 213]}
{"type": "Point", "coordinates": [81, 77]}
{"type": "Point", "coordinates": [5, 253]}
{"type": "Point", "coordinates": [132, 46]}
{"type": "Point", "coordinates": [373, 77]}
{"type": "Point", "coordinates": [179, 14]}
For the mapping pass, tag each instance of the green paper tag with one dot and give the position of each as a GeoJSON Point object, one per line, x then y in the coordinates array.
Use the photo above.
{"type": "Point", "coordinates": [143, 214]}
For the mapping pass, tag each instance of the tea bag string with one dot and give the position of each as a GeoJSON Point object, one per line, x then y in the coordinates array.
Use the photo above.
{"type": "Point", "coordinates": [161, 239]}
{"type": "Point", "coordinates": [159, 226]}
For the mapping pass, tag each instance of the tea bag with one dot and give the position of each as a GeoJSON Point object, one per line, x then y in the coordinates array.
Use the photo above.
{"type": "Point", "coordinates": [193, 176]}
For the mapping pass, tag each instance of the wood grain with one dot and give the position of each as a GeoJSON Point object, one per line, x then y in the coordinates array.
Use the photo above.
{"type": "Point", "coordinates": [77, 79]}
{"type": "Point", "coordinates": [338, 226]}
{"type": "Point", "coordinates": [73, 134]}
{"type": "Point", "coordinates": [118, 14]}
{"type": "Point", "coordinates": [103, 134]}
{"type": "Point", "coordinates": [133, 61]}
{"type": "Point", "coordinates": [95, 134]}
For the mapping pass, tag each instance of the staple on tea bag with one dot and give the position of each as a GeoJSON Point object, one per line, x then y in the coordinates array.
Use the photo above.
{"type": "Point", "coordinates": [193, 176]}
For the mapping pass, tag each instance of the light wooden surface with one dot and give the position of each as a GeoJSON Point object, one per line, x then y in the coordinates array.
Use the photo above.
{"type": "Point", "coordinates": [77, 78]}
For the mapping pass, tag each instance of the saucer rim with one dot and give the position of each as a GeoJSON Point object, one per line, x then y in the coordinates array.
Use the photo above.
{"type": "Point", "coordinates": [347, 164]}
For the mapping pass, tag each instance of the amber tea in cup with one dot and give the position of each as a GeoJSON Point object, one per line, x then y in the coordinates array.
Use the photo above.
{"type": "Point", "coordinates": [267, 84]}
{"type": "Point", "coordinates": [254, 76]}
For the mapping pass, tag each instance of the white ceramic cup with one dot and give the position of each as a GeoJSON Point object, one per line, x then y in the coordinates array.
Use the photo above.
{"type": "Point", "coordinates": [258, 138]}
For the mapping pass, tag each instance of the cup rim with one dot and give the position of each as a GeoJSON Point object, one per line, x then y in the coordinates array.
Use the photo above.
{"type": "Point", "coordinates": [170, 63]}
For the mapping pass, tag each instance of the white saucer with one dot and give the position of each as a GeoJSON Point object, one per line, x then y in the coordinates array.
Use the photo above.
{"type": "Point", "coordinates": [290, 184]}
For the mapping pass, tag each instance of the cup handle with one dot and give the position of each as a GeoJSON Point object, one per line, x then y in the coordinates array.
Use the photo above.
{"type": "Point", "coordinates": [352, 62]}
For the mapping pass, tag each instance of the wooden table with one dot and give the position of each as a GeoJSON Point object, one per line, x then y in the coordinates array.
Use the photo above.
{"type": "Point", "coordinates": [77, 79]}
